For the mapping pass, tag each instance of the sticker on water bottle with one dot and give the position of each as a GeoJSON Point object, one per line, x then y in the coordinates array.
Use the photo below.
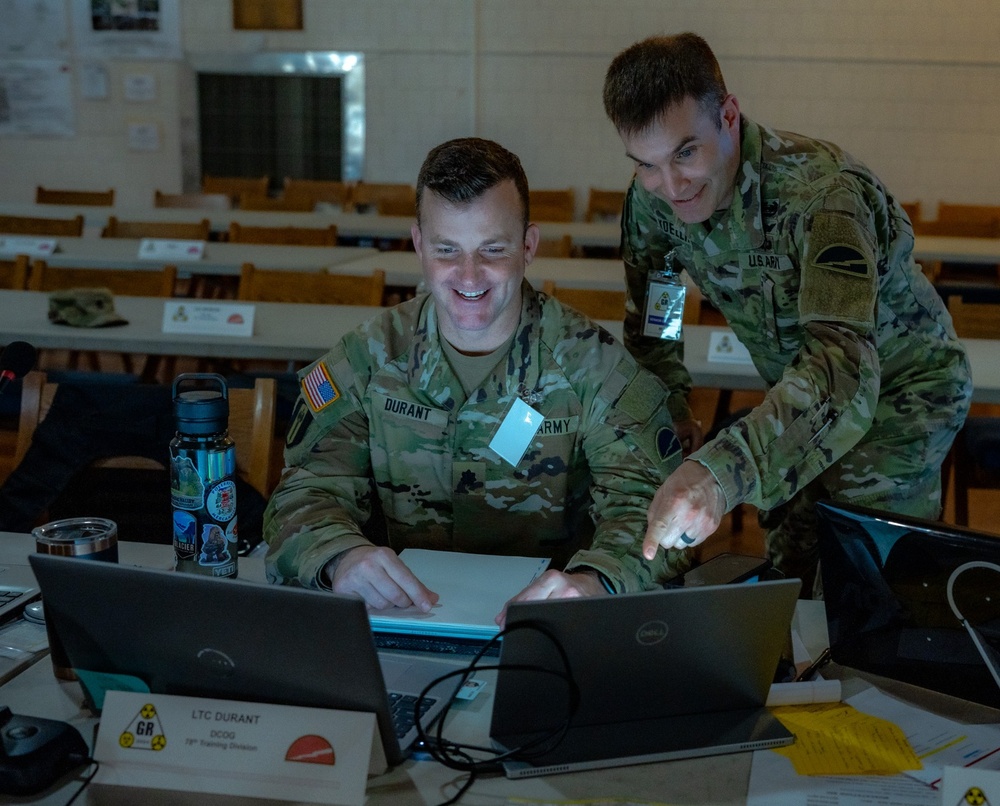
{"type": "Point", "coordinates": [221, 501]}
{"type": "Point", "coordinates": [187, 490]}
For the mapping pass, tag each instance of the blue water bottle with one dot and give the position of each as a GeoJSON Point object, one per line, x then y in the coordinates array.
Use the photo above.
{"type": "Point", "coordinates": [203, 477]}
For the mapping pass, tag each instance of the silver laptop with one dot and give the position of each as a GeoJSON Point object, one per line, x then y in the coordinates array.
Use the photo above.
{"type": "Point", "coordinates": [198, 636]}
{"type": "Point", "coordinates": [660, 676]}
{"type": "Point", "coordinates": [17, 588]}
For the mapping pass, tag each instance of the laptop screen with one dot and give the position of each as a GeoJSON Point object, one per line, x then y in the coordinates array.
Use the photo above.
{"type": "Point", "coordinates": [885, 586]}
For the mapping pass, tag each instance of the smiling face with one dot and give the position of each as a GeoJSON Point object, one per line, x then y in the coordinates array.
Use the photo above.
{"type": "Point", "coordinates": [474, 255]}
{"type": "Point", "coordinates": [689, 158]}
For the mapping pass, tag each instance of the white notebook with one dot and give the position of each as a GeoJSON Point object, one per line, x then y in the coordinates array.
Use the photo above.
{"type": "Point", "coordinates": [473, 589]}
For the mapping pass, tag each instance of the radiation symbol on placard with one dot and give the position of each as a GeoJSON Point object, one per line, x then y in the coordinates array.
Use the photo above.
{"type": "Point", "coordinates": [974, 796]}
{"type": "Point", "coordinates": [144, 732]}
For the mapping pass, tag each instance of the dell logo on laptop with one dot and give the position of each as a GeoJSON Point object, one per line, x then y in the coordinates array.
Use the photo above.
{"type": "Point", "coordinates": [652, 632]}
{"type": "Point", "coordinates": [216, 662]}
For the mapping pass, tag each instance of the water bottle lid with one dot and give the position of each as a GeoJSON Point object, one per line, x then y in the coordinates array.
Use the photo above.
{"type": "Point", "coordinates": [201, 411]}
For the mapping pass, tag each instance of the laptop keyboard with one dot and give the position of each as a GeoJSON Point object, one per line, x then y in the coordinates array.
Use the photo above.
{"type": "Point", "coordinates": [8, 595]}
{"type": "Point", "coordinates": [434, 644]}
{"type": "Point", "coordinates": [402, 707]}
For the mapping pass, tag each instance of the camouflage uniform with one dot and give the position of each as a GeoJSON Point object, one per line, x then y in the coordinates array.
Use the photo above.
{"type": "Point", "coordinates": [811, 266]}
{"type": "Point", "coordinates": [402, 426]}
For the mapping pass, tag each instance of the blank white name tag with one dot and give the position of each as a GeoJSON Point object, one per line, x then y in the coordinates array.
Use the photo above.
{"type": "Point", "coordinates": [26, 245]}
{"type": "Point", "coordinates": [207, 318]}
{"type": "Point", "coordinates": [516, 432]}
{"type": "Point", "coordinates": [194, 744]}
{"type": "Point", "coordinates": [726, 348]}
{"type": "Point", "coordinates": [165, 249]}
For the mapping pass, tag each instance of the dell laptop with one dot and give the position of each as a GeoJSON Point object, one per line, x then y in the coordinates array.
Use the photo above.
{"type": "Point", "coordinates": [635, 678]}
{"type": "Point", "coordinates": [912, 599]}
{"type": "Point", "coordinates": [225, 638]}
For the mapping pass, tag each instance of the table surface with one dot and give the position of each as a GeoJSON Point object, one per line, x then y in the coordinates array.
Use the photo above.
{"type": "Point", "coordinates": [349, 224]}
{"type": "Point", "coordinates": [720, 780]}
{"type": "Point", "coordinates": [300, 332]}
{"type": "Point", "coordinates": [217, 258]}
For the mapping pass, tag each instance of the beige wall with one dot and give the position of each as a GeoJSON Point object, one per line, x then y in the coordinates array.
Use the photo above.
{"type": "Point", "coordinates": [912, 88]}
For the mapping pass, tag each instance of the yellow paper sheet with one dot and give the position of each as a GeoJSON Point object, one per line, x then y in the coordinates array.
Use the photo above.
{"type": "Point", "coordinates": [836, 739]}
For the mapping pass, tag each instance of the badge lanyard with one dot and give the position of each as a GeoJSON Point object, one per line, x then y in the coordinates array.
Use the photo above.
{"type": "Point", "coordinates": [664, 302]}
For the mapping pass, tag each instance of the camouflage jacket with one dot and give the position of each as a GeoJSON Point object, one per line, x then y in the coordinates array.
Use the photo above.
{"type": "Point", "coordinates": [812, 268]}
{"type": "Point", "coordinates": [401, 427]}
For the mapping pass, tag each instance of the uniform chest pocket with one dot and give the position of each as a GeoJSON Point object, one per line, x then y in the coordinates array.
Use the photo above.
{"type": "Point", "coordinates": [780, 298]}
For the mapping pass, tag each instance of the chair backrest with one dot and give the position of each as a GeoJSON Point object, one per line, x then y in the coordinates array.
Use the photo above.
{"type": "Point", "coordinates": [233, 186]}
{"type": "Point", "coordinates": [14, 273]}
{"type": "Point", "coordinates": [974, 320]}
{"type": "Point", "coordinates": [555, 247]}
{"type": "Point", "coordinates": [251, 426]}
{"type": "Point", "coordinates": [194, 201]}
{"type": "Point", "coordinates": [397, 205]}
{"type": "Point", "coordinates": [264, 285]}
{"type": "Point", "coordinates": [912, 210]}
{"type": "Point", "coordinates": [367, 194]}
{"type": "Point", "coordinates": [288, 204]}
{"type": "Point", "coordinates": [968, 212]}
{"type": "Point", "coordinates": [135, 283]}
{"type": "Point", "coordinates": [959, 229]}
{"type": "Point", "coordinates": [604, 205]}
{"type": "Point", "coordinates": [97, 198]}
{"type": "Point", "coordinates": [174, 230]}
{"type": "Point", "coordinates": [320, 190]}
{"type": "Point", "coordinates": [595, 303]}
{"type": "Point", "coordinates": [30, 225]}
{"type": "Point", "coordinates": [552, 205]}
{"type": "Point", "coordinates": [290, 236]}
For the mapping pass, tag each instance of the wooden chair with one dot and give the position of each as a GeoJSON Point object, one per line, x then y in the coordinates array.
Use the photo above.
{"type": "Point", "coordinates": [263, 285]}
{"type": "Point", "coordinates": [287, 204]}
{"type": "Point", "coordinates": [968, 212]}
{"type": "Point", "coordinates": [14, 273]}
{"type": "Point", "coordinates": [97, 198]}
{"type": "Point", "coordinates": [555, 247]}
{"type": "Point", "coordinates": [975, 454]}
{"type": "Point", "coordinates": [552, 205]}
{"type": "Point", "coordinates": [287, 236]}
{"type": "Point", "coordinates": [366, 195]}
{"type": "Point", "coordinates": [912, 210]}
{"type": "Point", "coordinates": [595, 303]}
{"type": "Point", "coordinates": [233, 186]}
{"type": "Point", "coordinates": [136, 283]}
{"type": "Point", "coordinates": [604, 205]}
{"type": "Point", "coordinates": [30, 225]}
{"type": "Point", "coordinates": [251, 426]}
{"type": "Point", "coordinates": [320, 190]}
{"type": "Point", "coordinates": [988, 228]}
{"type": "Point", "coordinates": [193, 201]}
{"type": "Point", "coordinates": [405, 206]}
{"type": "Point", "coordinates": [180, 231]}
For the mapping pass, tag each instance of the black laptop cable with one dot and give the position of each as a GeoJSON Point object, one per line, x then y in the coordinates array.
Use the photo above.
{"type": "Point", "coordinates": [478, 759]}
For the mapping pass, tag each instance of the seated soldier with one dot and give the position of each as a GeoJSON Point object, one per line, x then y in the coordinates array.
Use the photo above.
{"type": "Point", "coordinates": [482, 416]}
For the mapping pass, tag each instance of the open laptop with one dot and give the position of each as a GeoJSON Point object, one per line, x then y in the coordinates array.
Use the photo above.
{"type": "Point", "coordinates": [198, 636]}
{"type": "Point", "coordinates": [662, 675]}
{"type": "Point", "coordinates": [885, 586]}
{"type": "Point", "coordinates": [17, 588]}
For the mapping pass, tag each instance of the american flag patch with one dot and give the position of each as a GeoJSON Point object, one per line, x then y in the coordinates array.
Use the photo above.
{"type": "Point", "coordinates": [318, 388]}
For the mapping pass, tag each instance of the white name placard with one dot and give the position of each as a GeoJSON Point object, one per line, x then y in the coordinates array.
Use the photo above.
{"type": "Point", "coordinates": [207, 318]}
{"type": "Point", "coordinates": [192, 744]}
{"type": "Point", "coordinates": [726, 348]}
{"type": "Point", "coordinates": [165, 249]}
{"type": "Point", "coordinates": [26, 245]}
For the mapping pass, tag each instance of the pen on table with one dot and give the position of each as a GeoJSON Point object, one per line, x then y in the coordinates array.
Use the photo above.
{"type": "Point", "coordinates": [810, 671]}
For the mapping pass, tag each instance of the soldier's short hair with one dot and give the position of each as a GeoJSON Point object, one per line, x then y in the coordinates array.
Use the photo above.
{"type": "Point", "coordinates": [649, 77]}
{"type": "Point", "coordinates": [464, 169]}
